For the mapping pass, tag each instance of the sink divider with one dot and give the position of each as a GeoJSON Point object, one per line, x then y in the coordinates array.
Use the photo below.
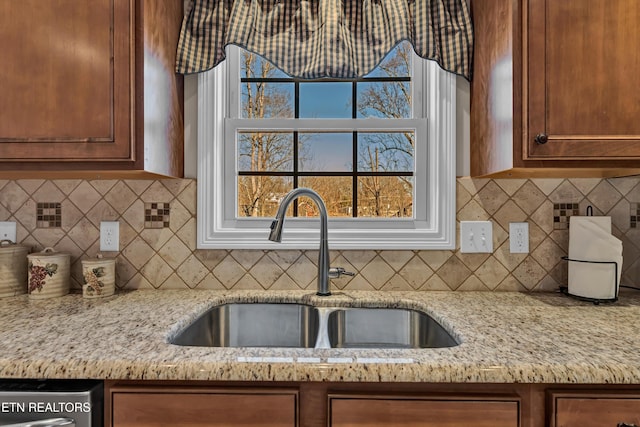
{"type": "Point", "coordinates": [322, 341]}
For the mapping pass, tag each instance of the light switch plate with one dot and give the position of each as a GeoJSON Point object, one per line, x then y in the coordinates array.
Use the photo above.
{"type": "Point", "coordinates": [8, 231]}
{"type": "Point", "coordinates": [476, 236]}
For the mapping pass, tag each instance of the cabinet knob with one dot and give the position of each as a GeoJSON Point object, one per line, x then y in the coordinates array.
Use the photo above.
{"type": "Point", "coordinates": [541, 138]}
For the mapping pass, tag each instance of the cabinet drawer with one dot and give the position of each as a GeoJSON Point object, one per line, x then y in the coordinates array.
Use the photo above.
{"type": "Point", "coordinates": [201, 407]}
{"type": "Point", "coordinates": [412, 411]}
{"type": "Point", "coordinates": [594, 409]}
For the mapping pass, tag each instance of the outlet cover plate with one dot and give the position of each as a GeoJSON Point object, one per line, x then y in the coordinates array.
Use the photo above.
{"type": "Point", "coordinates": [519, 237]}
{"type": "Point", "coordinates": [8, 231]}
{"type": "Point", "coordinates": [476, 237]}
{"type": "Point", "coordinates": [109, 236]}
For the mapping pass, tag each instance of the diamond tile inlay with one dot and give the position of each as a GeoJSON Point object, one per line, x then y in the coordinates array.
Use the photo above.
{"type": "Point", "coordinates": [635, 214]}
{"type": "Point", "coordinates": [48, 215]}
{"type": "Point", "coordinates": [561, 214]}
{"type": "Point", "coordinates": [156, 215]}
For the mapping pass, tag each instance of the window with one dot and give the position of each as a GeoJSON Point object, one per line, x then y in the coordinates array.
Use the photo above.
{"type": "Point", "coordinates": [379, 150]}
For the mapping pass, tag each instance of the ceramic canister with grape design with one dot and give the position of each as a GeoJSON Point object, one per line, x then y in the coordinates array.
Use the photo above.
{"type": "Point", "coordinates": [48, 274]}
{"type": "Point", "coordinates": [13, 269]}
{"type": "Point", "coordinates": [99, 276]}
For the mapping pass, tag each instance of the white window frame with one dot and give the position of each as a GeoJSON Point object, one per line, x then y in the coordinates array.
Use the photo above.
{"type": "Point", "coordinates": [433, 225]}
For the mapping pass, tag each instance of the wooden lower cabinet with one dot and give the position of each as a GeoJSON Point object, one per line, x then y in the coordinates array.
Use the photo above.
{"type": "Point", "coordinates": [320, 404]}
{"type": "Point", "coordinates": [353, 411]}
{"type": "Point", "coordinates": [593, 409]}
{"type": "Point", "coordinates": [197, 407]}
{"type": "Point", "coordinates": [343, 404]}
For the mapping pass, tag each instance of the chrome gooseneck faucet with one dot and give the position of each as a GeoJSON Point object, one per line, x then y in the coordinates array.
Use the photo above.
{"type": "Point", "coordinates": [324, 271]}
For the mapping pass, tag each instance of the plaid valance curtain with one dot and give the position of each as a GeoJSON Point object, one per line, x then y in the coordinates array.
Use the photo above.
{"type": "Point", "coordinates": [313, 39]}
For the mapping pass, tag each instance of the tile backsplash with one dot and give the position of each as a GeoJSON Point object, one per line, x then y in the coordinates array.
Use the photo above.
{"type": "Point", "coordinates": [158, 235]}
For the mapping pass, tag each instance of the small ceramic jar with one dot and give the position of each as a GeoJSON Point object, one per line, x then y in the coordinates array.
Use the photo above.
{"type": "Point", "coordinates": [48, 274]}
{"type": "Point", "coordinates": [13, 269]}
{"type": "Point", "coordinates": [99, 277]}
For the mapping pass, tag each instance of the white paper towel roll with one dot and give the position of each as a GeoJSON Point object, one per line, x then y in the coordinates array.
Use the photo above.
{"type": "Point", "coordinates": [590, 239]}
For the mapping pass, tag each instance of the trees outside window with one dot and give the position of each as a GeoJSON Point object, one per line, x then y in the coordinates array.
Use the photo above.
{"type": "Point", "coordinates": [358, 174]}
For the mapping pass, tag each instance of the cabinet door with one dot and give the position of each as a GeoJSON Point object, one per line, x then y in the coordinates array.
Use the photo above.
{"type": "Point", "coordinates": [594, 409]}
{"type": "Point", "coordinates": [65, 80]}
{"type": "Point", "coordinates": [422, 412]}
{"type": "Point", "coordinates": [195, 408]}
{"type": "Point", "coordinates": [583, 94]}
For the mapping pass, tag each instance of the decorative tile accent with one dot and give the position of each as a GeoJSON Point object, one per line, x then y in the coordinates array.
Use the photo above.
{"type": "Point", "coordinates": [156, 215]}
{"type": "Point", "coordinates": [561, 214]}
{"type": "Point", "coordinates": [635, 214]}
{"type": "Point", "coordinates": [48, 215]}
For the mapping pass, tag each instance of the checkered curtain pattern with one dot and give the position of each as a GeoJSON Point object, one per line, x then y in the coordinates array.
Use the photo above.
{"type": "Point", "coordinates": [312, 39]}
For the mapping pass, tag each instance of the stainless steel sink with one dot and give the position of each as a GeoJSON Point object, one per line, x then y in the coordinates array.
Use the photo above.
{"type": "Point", "coordinates": [253, 325]}
{"type": "Point", "coordinates": [385, 328]}
{"type": "Point", "coordinates": [304, 326]}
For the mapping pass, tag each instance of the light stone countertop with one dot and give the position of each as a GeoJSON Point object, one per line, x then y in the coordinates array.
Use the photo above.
{"type": "Point", "coordinates": [506, 338]}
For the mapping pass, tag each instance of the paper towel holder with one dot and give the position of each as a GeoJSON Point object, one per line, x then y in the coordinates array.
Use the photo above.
{"type": "Point", "coordinates": [565, 290]}
{"type": "Point", "coordinates": [596, 301]}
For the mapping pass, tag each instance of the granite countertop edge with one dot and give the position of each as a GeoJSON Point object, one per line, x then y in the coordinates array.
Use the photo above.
{"type": "Point", "coordinates": [506, 337]}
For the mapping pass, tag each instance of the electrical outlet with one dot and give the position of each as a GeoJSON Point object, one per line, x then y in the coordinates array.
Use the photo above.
{"type": "Point", "coordinates": [8, 231]}
{"type": "Point", "coordinates": [519, 237]}
{"type": "Point", "coordinates": [110, 236]}
{"type": "Point", "coordinates": [476, 236]}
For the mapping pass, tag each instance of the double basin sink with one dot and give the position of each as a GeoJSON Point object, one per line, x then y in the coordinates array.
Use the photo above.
{"type": "Point", "coordinates": [306, 326]}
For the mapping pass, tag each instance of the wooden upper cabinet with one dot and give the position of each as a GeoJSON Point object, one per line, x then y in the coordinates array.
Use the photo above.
{"type": "Point", "coordinates": [554, 90]}
{"type": "Point", "coordinates": [88, 88]}
{"type": "Point", "coordinates": [583, 92]}
{"type": "Point", "coordinates": [422, 411]}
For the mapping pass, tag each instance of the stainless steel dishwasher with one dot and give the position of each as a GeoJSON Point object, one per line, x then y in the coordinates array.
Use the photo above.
{"type": "Point", "coordinates": [49, 403]}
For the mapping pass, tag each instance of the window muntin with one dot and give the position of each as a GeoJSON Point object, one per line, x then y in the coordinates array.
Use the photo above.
{"type": "Point", "coordinates": [373, 165]}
